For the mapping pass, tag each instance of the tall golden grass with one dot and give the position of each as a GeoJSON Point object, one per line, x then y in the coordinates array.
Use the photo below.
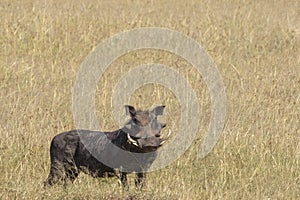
{"type": "Point", "coordinates": [255, 45]}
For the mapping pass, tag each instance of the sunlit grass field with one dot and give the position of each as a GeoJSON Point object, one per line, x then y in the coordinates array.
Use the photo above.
{"type": "Point", "coordinates": [255, 45]}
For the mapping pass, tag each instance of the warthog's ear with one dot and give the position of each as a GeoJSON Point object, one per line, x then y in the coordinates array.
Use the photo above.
{"type": "Point", "coordinates": [158, 110]}
{"type": "Point", "coordinates": [130, 110]}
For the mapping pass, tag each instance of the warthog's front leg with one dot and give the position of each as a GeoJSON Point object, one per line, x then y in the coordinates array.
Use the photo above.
{"type": "Point", "coordinates": [140, 180]}
{"type": "Point", "coordinates": [123, 179]}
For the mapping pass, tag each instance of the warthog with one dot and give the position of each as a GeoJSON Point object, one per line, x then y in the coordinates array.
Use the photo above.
{"type": "Point", "coordinates": [92, 152]}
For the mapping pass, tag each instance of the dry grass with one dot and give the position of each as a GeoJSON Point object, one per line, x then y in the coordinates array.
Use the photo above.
{"type": "Point", "coordinates": [255, 45]}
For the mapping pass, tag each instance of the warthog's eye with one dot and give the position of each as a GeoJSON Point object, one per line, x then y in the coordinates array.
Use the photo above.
{"type": "Point", "coordinates": [135, 121]}
{"type": "Point", "coordinates": [157, 135]}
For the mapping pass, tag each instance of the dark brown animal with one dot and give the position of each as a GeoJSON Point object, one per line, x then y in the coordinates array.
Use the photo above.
{"type": "Point", "coordinates": [104, 154]}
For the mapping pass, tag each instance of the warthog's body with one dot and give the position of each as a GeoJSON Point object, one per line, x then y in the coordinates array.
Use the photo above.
{"type": "Point", "coordinates": [79, 150]}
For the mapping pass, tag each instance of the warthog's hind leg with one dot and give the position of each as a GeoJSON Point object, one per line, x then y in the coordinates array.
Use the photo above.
{"type": "Point", "coordinates": [57, 174]}
{"type": "Point", "coordinates": [71, 173]}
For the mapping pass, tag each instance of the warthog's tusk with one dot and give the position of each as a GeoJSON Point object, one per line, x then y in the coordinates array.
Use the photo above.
{"type": "Point", "coordinates": [164, 139]}
{"type": "Point", "coordinates": [169, 134]}
{"type": "Point", "coordinates": [132, 140]}
{"type": "Point", "coordinates": [162, 142]}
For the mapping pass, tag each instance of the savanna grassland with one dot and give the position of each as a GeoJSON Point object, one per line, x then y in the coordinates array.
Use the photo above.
{"type": "Point", "coordinates": [255, 45]}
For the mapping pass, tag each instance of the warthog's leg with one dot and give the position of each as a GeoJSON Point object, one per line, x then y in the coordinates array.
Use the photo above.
{"type": "Point", "coordinates": [71, 173]}
{"type": "Point", "coordinates": [69, 163]}
{"type": "Point", "coordinates": [60, 173]}
{"type": "Point", "coordinates": [123, 179]}
{"type": "Point", "coordinates": [57, 173]}
{"type": "Point", "coordinates": [140, 180]}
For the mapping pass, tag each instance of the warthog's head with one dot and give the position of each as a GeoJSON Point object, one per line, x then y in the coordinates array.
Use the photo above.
{"type": "Point", "coordinates": [143, 130]}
